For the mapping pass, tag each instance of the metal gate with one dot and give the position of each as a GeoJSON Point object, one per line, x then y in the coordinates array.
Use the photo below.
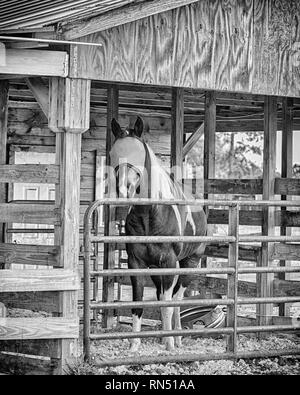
{"type": "Point", "coordinates": [232, 271]}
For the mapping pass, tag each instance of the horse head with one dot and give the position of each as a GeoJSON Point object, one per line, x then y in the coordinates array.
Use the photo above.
{"type": "Point", "coordinates": [128, 158]}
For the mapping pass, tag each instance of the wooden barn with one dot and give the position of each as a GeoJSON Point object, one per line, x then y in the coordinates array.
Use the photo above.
{"type": "Point", "coordinates": [192, 69]}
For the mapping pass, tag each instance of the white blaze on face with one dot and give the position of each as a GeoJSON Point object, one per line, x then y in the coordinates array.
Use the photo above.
{"type": "Point", "coordinates": [128, 151]}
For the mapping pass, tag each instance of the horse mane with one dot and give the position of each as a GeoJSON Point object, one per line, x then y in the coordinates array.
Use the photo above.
{"type": "Point", "coordinates": [162, 186]}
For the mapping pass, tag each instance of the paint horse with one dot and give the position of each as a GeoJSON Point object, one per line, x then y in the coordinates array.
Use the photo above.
{"type": "Point", "coordinates": [139, 174]}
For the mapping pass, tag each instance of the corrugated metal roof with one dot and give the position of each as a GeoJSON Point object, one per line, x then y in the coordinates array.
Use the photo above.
{"type": "Point", "coordinates": [36, 14]}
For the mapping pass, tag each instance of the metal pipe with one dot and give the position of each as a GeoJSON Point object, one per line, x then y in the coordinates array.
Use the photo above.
{"type": "Point", "coordinates": [160, 272]}
{"type": "Point", "coordinates": [200, 271]}
{"type": "Point", "coordinates": [194, 202]}
{"type": "Point", "coordinates": [149, 360]}
{"type": "Point", "coordinates": [192, 332]}
{"type": "Point", "coordinates": [162, 239]}
{"type": "Point", "coordinates": [154, 303]}
{"type": "Point", "coordinates": [48, 41]}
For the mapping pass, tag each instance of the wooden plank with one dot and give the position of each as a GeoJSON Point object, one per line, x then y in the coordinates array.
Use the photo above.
{"type": "Point", "coordinates": [265, 311]}
{"type": "Point", "coordinates": [286, 252]}
{"type": "Point", "coordinates": [286, 172]}
{"type": "Point", "coordinates": [40, 92]}
{"type": "Point", "coordinates": [38, 328]}
{"type": "Point", "coordinates": [23, 364]}
{"type": "Point", "coordinates": [109, 213]}
{"type": "Point", "coordinates": [3, 144]}
{"type": "Point", "coordinates": [35, 301]}
{"type": "Point", "coordinates": [38, 280]}
{"type": "Point", "coordinates": [69, 117]}
{"type": "Point", "coordinates": [29, 347]}
{"type": "Point", "coordinates": [286, 288]}
{"type": "Point", "coordinates": [35, 62]}
{"type": "Point", "coordinates": [29, 214]}
{"type": "Point", "coordinates": [177, 133]}
{"type": "Point", "coordinates": [232, 280]}
{"type": "Point", "coordinates": [192, 140]}
{"type": "Point", "coordinates": [46, 174]}
{"type": "Point", "coordinates": [121, 16]}
{"type": "Point", "coordinates": [287, 187]}
{"type": "Point", "coordinates": [29, 254]}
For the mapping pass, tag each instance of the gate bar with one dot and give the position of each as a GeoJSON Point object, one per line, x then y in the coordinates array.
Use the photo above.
{"type": "Point", "coordinates": [149, 360]}
{"type": "Point", "coordinates": [193, 332]}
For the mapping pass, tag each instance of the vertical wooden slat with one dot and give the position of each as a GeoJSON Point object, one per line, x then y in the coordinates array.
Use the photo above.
{"type": "Point", "coordinates": [232, 287]}
{"type": "Point", "coordinates": [265, 281]}
{"type": "Point", "coordinates": [177, 133]}
{"type": "Point", "coordinates": [210, 121]}
{"type": "Point", "coordinates": [286, 172]}
{"type": "Point", "coordinates": [3, 145]}
{"type": "Point", "coordinates": [109, 213]}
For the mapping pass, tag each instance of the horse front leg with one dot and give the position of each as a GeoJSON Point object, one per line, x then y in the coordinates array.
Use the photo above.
{"type": "Point", "coordinates": [137, 313]}
{"type": "Point", "coordinates": [167, 312]}
{"type": "Point", "coordinates": [179, 294]}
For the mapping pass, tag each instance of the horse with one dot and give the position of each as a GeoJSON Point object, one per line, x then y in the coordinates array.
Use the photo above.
{"type": "Point", "coordinates": [139, 173]}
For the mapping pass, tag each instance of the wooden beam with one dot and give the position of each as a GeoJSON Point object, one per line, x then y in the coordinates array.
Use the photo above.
{"type": "Point", "coordinates": [40, 92]}
{"type": "Point", "coordinates": [210, 118]}
{"type": "Point", "coordinates": [4, 86]}
{"type": "Point", "coordinates": [109, 213]}
{"type": "Point", "coordinates": [265, 311]}
{"type": "Point", "coordinates": [38, 328]}
{"type": "Point", "coordinates": [42, 174]}
{"type": "Point", "coordinates": [69, 108]}
{"type": "Point", "coordinates": [209, 136]}
{"type": "Point", "coordinates": [29, 213]}
{"type": "Point", "coordinates": [69, 105]}
{"type": "Point", "coordinates": [34, 62]}
{"type": "Point", "coordinates": [38, 280]}
{"type": "Point", "coordinates": [121, 16]}
{"type": "Point", "coordinates": [193, 140]}
{"type": "Point", "coordinates": [286, 172]}
{"type": "Point", "coordinates": [25, 254]}
{"type": "Point", "coordinates": [177, 133]}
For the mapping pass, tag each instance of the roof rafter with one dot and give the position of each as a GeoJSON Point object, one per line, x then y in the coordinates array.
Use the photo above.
{"type": "Point", "coordinates": [121, 16]}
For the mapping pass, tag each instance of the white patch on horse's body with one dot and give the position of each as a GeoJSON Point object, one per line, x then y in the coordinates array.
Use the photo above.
{"type": "Point", "coordinates": [136, 327]}
{"type": "Point", "coordinates": [162, 186]}
{"type": "Point", "coordinates": [190, 220]}
{"type": "Point", "coordinates": [177, 319]}
{"type": "Point", "coordinates": [167, 314]}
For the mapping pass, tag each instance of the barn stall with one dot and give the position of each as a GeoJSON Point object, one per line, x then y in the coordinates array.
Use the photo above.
{"type": "Point", "coordinates": [192, 70]}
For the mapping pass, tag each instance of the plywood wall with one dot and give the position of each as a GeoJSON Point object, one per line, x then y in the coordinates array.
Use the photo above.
{"type": "Point", "coordinates": [235, 45]}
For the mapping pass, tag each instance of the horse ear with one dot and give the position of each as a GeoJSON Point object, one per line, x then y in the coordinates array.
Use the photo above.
{"type": "Point", "coordinates": [116, 128]}
{"type": "Point", "coordinates": [139, 127]}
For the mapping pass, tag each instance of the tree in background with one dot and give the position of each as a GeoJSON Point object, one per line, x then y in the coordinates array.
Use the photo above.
{"type": "Point", "coordinates": [238, 155]}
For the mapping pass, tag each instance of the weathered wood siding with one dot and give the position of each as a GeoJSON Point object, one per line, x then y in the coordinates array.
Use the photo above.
{"type": "Point", "coordinates": [235, 45]}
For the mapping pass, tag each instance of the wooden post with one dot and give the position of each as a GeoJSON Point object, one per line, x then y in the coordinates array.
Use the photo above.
{"type": "Point", "coordinates": [265, 281]}
{"type": "Point", "coordinates": [232, 287]}
{"type": "Point", "coordinates": [210, 120]}
{"type": "Point", "coordinates": [286, 172]}
{"type": "Point", "coordinates": [109, 213]}
{"type": "Point", "coordinates": [3, 145]}
{"type": "Point", "coordinates": [69, 118]}
{"type": "Point", "coordinates": [177, 133]}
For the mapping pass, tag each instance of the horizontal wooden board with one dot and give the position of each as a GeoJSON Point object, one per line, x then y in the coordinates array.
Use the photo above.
{"type": "Point", "coordinates": [44, 348]}
{"type": "Point", "coordinates": [47, 302]}
{"type": "Point", "coordinates": [23, 364]}
{"type": "Point", "coordinates": [286, 252]}
{"type": "Point", "coordinates": [46, 174]}
{"type": "Point", "coordinates": [38, 280]}
{"type": "Point", "coordinates": [238, 45]}
{"type": "Point", "coordinates": [288, 186]}
{"type": "Point", "coordinates": [29, 214]}
{"type": "Point", "coordinates": [36, 62]}
{"type": "Point", "coordinates": [38, 328]}
{"type": "Point", "coordinates": [25, 254]}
